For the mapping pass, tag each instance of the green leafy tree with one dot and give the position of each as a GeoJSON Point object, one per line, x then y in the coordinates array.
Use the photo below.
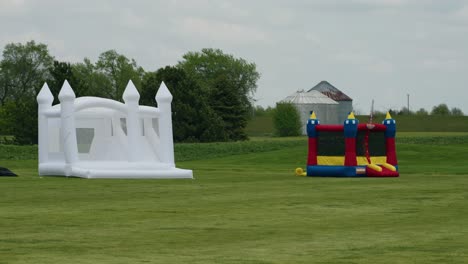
{"type": "Point", "coordinates": [4, 130]}
{"type": "Point", "coordinates": [404, 111]}
{"type": "Point", "coordinates": [60, 72]}
{"type": "Point", "coordinates": [286, 120]}
{"type": "Point", "coordinates": [441, 109]}
{"type": "Point", "coordinates": [193, 119]}
{"type": "Point", "coordinates": [422, 112]}
{"type": "Point", "coordinates": [456, 112]}
{"type": "Point", "coordinates": [261, 111]}
{"type": "Point", "coordinates": [89, 81]}
{"type": "Point", "coordinates": [119, 70]}
{"type": "Point", "coordinates": [4, 87]}
{"type": "Point", "coordinates": [20, 120]}
{"type": "Point", "coordinates": [23, 70]}
{"type": "Point", "coordinates": [206, 66]}
{"type": "Point", "coordinates": [226, 103]}
{"type": "Point", "coordinates": [209, 66]}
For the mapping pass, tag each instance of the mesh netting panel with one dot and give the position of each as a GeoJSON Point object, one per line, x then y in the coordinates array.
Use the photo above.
{"type": "Point", "coordinates": [376, 143]}
{"type": "Point", "coordinates": [84, 139]}
{"type": "Point", "coordinates": [331, 144]}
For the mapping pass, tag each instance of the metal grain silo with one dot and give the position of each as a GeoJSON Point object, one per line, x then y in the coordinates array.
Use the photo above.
{"type": "Point", "coordinates": [325, 108]}
{"type": "Point", "coordinates": [345, 102]}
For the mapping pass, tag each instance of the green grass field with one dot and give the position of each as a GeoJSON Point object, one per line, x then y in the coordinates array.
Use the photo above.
{"type": "Point", "coordinates": [243, 208]}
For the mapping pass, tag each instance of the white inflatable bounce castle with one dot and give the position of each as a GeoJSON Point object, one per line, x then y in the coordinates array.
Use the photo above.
{"type": "Point", "coordinates": [93, 137]}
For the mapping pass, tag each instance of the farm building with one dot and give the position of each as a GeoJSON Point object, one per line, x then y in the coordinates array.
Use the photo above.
{"type": "Point", "coordinates": [345, 102]}
{"type": "Point", "coordinates": [325, 108]}
{"type": "Point", "coordinates": [330, 104]}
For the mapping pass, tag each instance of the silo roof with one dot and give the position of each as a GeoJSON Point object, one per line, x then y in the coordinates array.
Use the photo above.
{"type": "Point", "coordinates": [312, 97]}
{"type": "Point", "coordinates": [331, 91]}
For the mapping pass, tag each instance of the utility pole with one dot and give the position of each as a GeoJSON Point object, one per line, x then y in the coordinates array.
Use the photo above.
{"type": "Point", "coordinates": [408, 103]}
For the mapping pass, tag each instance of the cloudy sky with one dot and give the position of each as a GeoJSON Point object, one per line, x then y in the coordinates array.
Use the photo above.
{"type": "Point", "coordinates": [370, 49]}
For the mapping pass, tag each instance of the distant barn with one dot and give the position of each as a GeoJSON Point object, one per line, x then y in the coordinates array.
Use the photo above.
{"type": "Point", "coordinates": [345, 102]}
{"type": "Point", "coordinates": [329, 103]}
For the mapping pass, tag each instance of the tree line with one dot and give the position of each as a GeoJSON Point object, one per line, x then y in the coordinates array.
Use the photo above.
{"type": "Point", "coordinates": [438, 110]}
{"type": "Point", "coordinates": [286, 118]}
{"type": "Point", "coordinates": [212, 91]}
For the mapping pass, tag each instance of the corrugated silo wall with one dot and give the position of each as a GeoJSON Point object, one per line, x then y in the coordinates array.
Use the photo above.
{"type": "Point", "coordinates": [344, 108]}
{"type": "Point", "coordinates": [304, 115]}
{"type": "Point", "coordinates": [326, 113]}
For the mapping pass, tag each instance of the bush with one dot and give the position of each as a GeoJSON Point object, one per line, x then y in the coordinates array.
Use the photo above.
{"type": "Point", "coordinates": [441, 109]}
{"type": "Point", "coordinates": [19, 119]}
{"type": "Point", "coordinates": [456, 111]}
{"type": "Point", "coordinates": [286, 120]}
{"type": "Point", "coordinates": [422, 112]}
{"type": "Point", "coordinates": [193, 119]}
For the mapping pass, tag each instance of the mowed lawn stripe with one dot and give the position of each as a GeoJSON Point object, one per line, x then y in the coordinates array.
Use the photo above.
{"type": "Point", "coordinates": [246, 208]}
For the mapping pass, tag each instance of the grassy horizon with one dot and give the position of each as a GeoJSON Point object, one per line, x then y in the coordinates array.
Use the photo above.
{"type": "Point", "coordinates": [262, 125]}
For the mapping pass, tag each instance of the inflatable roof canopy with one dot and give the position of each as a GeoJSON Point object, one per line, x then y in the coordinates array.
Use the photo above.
{"type": "Point", "coordinates": [351, 149]}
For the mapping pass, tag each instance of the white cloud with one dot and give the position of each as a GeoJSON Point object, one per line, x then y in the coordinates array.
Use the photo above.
{"type": "Point", "coordinates": [363, 61]}
{"type": "Point", "coordinates": [382, 3]}
{"type": "Point", "coordinates": [440, 64]}
{"type": "Point", "coordinates": [4, 4]}
{"type": "Point", "coordinates": [462, 13]}
{"type": "Point", "coordinates": [132, 20]}
{"type": "Point", "coordinates": [380, 66]}
{"type": "Point", "coordinates": [352, 57]}
{"type": "Point", "coordinates": [362, 46]}
{"type": "Point", "coordinates": [22, 37]}
{"type": "Point", "coordinates": [12, 7]}
{"type": "Point", "coordinates": [221, 31]}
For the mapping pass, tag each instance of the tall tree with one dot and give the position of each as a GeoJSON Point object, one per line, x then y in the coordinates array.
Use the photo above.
{"type": "Point", "coordinates": [24, 69]}
{"type": "Point", "coordinates": [441, 109]}
{"type": "Point", "coordinates": [405, 111]}
{"type": "Point", "coordinates": [4, 87]}
{"type": "Point", "coordinates": [60, 72]}
{"type": "Point", "coordinates": [20, 121]}
{"type": "Point", "coordinates": [286, 120]}
{"type": "Point", "coordinates": [226, 103]}
{"type": "Point", "coordinates": [455, 111]}
{"type": "Point", "coordinates": [422, 112]}
{"type": "Point", "coordinates": [193, 119]}
{"type": "Point", "coordinates": [119, 70]}
{"type": "Point", "coordinates": [206, 66]}
{"type": "Point", "coordinates": [89, 81]}
{"type": "Point", "coordinates": [209, 65]}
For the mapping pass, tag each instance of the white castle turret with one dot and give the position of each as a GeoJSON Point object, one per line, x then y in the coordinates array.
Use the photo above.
{"type": "Point", "coordinates": [131, 98]}
{"type": "Point", "coordinates": [164, 99]}
{"type": "Point", "coordinates": [67, 128]}
{"type": "Point", "coordinates": [94, 137]}
{"type": "Point", "coordinates": [44, 100]}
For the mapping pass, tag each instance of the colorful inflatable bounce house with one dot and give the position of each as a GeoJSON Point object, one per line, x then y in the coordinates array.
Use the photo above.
{"type": "Point", "coordinates": [351, 149]}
